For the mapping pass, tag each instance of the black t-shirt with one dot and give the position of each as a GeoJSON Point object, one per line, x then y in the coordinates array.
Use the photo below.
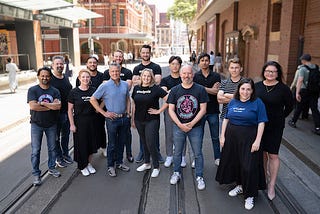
{"type": "Point", "coordinates": [209, 81]}
{"type": "Point", "coordinates": [95, 80]}
{"type": "Point", "coordinates": [153, 66]}
{"type": "Point", "coordinates": [125, 74]}
{"type": "Point", "coordinates": [187, 101]}
{"type": "Point", "coordinates": [81, 101]}
{"type": "Point", "coordinates": [38, 94]}
{"type": "Point", "coordinates": [170, 82]}
{"type": "Point", "coordinates": [145, 98]}
{"type": "Point", "coordinates": [64, 86]}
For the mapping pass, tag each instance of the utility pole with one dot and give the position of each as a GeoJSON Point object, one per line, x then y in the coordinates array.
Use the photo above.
{"type": "Point", "coordinates": [90, 39]}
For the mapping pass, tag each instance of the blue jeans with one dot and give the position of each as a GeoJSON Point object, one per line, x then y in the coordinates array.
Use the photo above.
{"type": "Point", "coordinates": [62, 137]}
{"type": "Point", "coordinates": [117, 136]}
{"type": "Point", "coordinates": [36, 140]}
{"type": "Point", "coordinates": [213, 121]}
{"type": "Point", "coordinates": [195, 136]}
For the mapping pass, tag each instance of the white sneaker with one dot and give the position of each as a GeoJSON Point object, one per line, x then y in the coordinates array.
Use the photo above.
{"type": "Point", "coordinates": [193, 165]}
{"type": "Point", "coordinates": [201, 183]}
{"type": "Point", "coordinates": [249, 203]}
{"type": "Point", "coordinates": [85, 172]}
{"type": "Point", "coordinates": [217, 162]}
{"type": "Point", "coordinates": [144, 167]}
{"type": "Point", "coordinates": [175, 177]}
{"type": "Point", "coordinates": [183, 162]}
{"type": "Point", "coordinates": [236, 191]}
{"type": "Point", "coordinates": [168, 161]}
{"type": "Point", "coordinates": [104, 152]}
{"type": "Point", "coordinates": [155, 173]}
{"type": "Point", "coordinates": [91, 169]}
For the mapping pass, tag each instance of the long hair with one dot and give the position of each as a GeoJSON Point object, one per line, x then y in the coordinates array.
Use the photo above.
{"type": "Point", "coordinates": [278, 67]}
{"type": "Point", "coordinates": [153, 79]}
{"type": "Point", "coordinates": [243, 81]}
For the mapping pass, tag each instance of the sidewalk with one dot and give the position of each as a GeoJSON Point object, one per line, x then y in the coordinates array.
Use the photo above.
{"type": "Point", "coordinates": [23, 77]}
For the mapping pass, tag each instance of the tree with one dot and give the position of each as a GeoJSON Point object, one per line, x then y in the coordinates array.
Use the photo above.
{"type": "Point", "coordinates": [185, 11]}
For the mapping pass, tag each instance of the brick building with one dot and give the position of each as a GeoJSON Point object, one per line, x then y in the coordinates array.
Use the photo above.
{"type": "Point", "coordinates": [257, 31]}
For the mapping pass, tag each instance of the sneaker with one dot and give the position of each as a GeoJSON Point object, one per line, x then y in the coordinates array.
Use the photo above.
{"type": "Point", "coordinates": [292, 124]}
{"type": "Point", "coordinates": [193, 164]}
{"type": "Point", "coordinates": [161, 160]}
{"type": "Point", "coordinates": [104, 152]}
{"type": "Point", "coordinates": [55, 173]}
{"type": "Point", "coordinates": [144, 167]}
{"type": "Point", "coordinates": [139, 158]}
{"type": "Point", "coordinates": [67, 159]}
{"type": "Point", "coordinates": [168, 161]}
{"type": "Point", "coordinates": [249, 203]}
{"type": "Point", "coordinates": [316, 131]}
{"type": "Point", "coordinates": [183, 162]}
{"type": "Point", "coordinates": [201, 184]}
{"type": "Point", "coordinates": [175, 177]}
{"type": "Point", "coordinates": [236, 191]}
{"type": "Point", "coordinates": [91, 169]}
{"type": "Point", "coordinates": [130, 158]}
{"type": "Point", "coordinates": [112, 172]}
{"type": "Point", "coordinates": [217, 161]}
{"type": "Point", "coordinates": [123, 167]}
{"type": "Point", "coordinates": [37, 181]}
{"type": "Point", "coordinates": [85, 172]}
{"type": "Point", "coordinates": [61, 164]}
{"type": "Point", "coordinates": [155, 173]}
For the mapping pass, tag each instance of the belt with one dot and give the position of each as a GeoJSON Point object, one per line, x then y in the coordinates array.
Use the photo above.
{"type": "Point", "coordinates": [121, 115]}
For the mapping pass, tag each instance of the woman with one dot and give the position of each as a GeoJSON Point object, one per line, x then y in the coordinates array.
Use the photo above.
{"type": "Point", "coordinates": [167, 83]}
{"type": "Point", "coordinates": [82, 123]}
{"type": "Point", "coordinates": [218, 63]}
{"type": "Point", "coordinates": [146, 118]}
{"type": "Point", "coordinates": [279, 103]}
{"type": "Point", "coordinates": [241, 157]}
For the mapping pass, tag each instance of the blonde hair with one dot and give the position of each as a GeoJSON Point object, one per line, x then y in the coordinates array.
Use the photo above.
{"type": "Point", "coordinates": [84, 70]}
{"type": "Point", "coordinates": [150, 71]}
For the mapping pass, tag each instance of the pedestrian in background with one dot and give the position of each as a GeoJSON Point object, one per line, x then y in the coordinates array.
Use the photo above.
{"type": "Point", "coordinates": [278, 101]}
{"type": "Point", "coordinates": [241, 158]}
{"type": "Point", "coordinates": [211, 65]}
{"type": "Point", "coordinates": [68, 66]}
{"type": "Point", "coordinates": [146, 118]}
{"type": "Point", "coordinates": [187, 105]}
{"type": "Point", "coordinates": [218, 63]}
{"type": "Point", "coordinates": [62, 83]}
{"type": "Point", "coordinates": [44, 103]}
{"type": "Point", "coordinates": [82, 119]}
{"type": "Point", "coordinates": [12, 68]}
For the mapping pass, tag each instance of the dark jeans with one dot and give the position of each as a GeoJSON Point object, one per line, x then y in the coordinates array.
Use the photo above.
{"type": "Point", "coordinates": [312, 100]}
{"type": "Point", "coordinates": [213, 122]}
{"type": "Point", "coordinates": [62, 137]}
{"type": "Point", "coordinates": [149, 137]}
{"type": "Point", "coordinates": [117, 135]}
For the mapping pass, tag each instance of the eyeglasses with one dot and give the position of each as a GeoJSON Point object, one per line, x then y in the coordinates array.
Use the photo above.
{"type": "Point", "coordinates": [270, 72]}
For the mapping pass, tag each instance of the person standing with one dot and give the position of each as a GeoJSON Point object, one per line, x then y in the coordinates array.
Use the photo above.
{"type": "Point", "coordinates": [68, 66]}
{"type": "Point", "coordinates": [218, 63]}
{"type": "Point", "coordinates": [303, 95]}
{"type": "Point", "coordinates": [82, 123]}
{"type": "Point", "coordinates": [96, 79]}
{"type": "Point", "coordinates": [241, 133]}
{"type": "Point", "coordinates": [44, 103]}
{"type": "Point", "coordinates": [211, 60]}
{"type": "Point", "coordinates": [106, 59]}
{"type": "Point", "coordinates": [61, 82]}
{"type": "Point", "coordinates": [125, 75]}
{"type": "Point", "coordinates": [115, 95]}
{"type": "Point", "coordinates": [211, 81]}
{"type": "Point", "coordinates": [187, 106]}
{"type": "Point", "coordinates": [278, 101]}
{"type": "Point", "coordinates": [12, 68]}
{"type": "Point", "coordinates": [146, 118]}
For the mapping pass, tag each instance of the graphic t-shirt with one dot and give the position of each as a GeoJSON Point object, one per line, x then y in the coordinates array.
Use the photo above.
{"type": "Point", "coordinates": [81, 101]}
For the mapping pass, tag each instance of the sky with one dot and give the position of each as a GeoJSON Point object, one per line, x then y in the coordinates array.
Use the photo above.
{"type": "Point", "coordinates": [162, 5]}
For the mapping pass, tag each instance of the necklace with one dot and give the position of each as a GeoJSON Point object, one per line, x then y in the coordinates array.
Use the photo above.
{"type": "Point", "coordinates": [270, 88]}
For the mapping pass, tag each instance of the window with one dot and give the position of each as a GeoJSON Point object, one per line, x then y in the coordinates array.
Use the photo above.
{"type": "Point", "coordinates": [114, 17]}
{"type": "Point", "coordinates": [276, 17]}
{"type": "Point", "coordinates": [122, 17]}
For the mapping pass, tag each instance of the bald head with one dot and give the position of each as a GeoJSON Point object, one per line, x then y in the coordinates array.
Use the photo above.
{"type": "Point", "coordinates": [186, 74]}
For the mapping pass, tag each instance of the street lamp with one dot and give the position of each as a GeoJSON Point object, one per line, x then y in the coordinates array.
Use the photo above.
{"type": "Point", "coordinates": [90, 39]}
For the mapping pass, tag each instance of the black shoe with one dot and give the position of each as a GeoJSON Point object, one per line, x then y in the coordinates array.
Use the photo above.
{"type": "Point", "coordinates": [316, 131]}
{"type": "Point", "coordinates": [130, 158]}
{"type": "Point", "coordinates": [139, 159]}
{"type": "Point", "coordinates": [292, 124]}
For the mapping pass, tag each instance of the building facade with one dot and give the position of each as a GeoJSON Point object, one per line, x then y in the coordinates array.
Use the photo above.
{"type": "Point", "coordinates": [258, 31]}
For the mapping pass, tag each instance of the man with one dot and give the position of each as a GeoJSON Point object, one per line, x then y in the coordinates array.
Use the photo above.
{"type": "Point", "coordinates": [12, 68]}
{"type": "Point", "coordinates": [125, 75]}
{"type": "Point", "coordinates": [187, 106]}
{"type": "Point", "coordinates": [44, 102]}
{"type": "Point", "coordinates": [229, 86]}
{"type": "Point", "coordinates": [211, 60]}
{"type": "Point", "coordinates": [305, 96]}
{"type": "Point", "coordinates": [62, 83]}
{"type": "Point", "coordinates": [211, 81]}
{"type": "Point", "coordinates": [115, 94]}
{"type": "Point", "coordinates": [96, 79]}
{"type": "Point", "coordinates": [145, 54]}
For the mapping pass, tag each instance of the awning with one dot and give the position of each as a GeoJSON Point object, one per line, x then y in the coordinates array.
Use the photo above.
{"type": "Point", "coordinates": [37, 4]}
{"type": "Point", "coordinates": [73, 13]}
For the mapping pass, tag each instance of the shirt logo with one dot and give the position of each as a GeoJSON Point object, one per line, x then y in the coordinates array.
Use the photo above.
{"type": "Point", "coordinates": [143, 92]}
{"type": "Point", "coordinates": [187, 106]}
{"type": "Point", "coordinates": [47, 98]}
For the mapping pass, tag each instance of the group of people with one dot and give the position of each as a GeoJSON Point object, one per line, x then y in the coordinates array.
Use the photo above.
{"type": "Point", "coordinates": [120, 99]}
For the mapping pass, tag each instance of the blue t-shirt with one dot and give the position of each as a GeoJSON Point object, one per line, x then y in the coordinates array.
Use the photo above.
{"type": "Point", "coordinates": [247, 113]}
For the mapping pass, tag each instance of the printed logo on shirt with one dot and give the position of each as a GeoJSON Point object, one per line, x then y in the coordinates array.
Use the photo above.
{"type": "Point", "coordinates": [238, 109]}
{"type": "Point", "coordinates": [47, 98]}
{"type": "Point", "coordinates": [187, 106]}
{"type": "Point", "coordinates": [144, 92]}
{"type": "Point", "coordinates": [86, 98]}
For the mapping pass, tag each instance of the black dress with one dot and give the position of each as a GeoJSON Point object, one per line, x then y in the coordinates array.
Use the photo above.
{"type": "Point", "coordinates": [279, 103]}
